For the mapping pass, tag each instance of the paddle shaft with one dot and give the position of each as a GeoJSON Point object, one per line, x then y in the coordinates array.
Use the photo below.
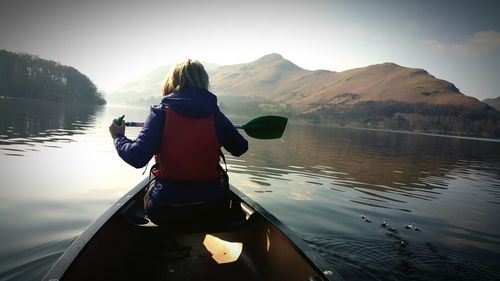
{"type": "Point", "coordinates": [134, 124]}
{"type": "Point", "coordinates": [264, 127]}
{"type": "Point", "coordinates": [141, 124]}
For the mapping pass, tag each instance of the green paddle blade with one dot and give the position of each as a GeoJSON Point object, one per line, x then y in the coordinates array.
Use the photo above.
{"type": "Point", "coordinates": [265, 127]}
{"type": "Point", "coordinates": [119, 120]}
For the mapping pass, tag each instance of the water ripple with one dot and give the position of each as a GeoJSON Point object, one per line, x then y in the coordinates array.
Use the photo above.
{"type": "Point", "coordinates": [33, 263]}
{"type": "Point", "coordinates": [362, 259]}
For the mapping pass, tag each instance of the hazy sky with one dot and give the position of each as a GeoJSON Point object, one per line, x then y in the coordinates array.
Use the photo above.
{"type": "Point", "coordinates": [114, 41]}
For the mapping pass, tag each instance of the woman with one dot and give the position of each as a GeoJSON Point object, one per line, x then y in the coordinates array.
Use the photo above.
{"type": "Point", "coordinates": [184, 133]}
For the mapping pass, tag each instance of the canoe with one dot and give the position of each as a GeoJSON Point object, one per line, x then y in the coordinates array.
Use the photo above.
{"type": "Point", "coordinates": [250, 244]}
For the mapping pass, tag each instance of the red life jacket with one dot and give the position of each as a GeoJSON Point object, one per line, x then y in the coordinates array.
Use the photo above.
{"type": "Point", "coordinates": [189, 149]}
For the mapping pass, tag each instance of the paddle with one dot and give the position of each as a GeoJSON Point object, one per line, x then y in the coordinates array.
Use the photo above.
{"type": "Point", "coordinates": [264, 127]}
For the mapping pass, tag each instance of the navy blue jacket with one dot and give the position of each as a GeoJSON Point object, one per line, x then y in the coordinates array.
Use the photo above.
{"type": "Point", "coordinates": [191, 102]}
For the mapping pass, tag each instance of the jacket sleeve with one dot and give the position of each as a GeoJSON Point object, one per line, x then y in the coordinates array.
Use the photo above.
{"type": "Point", "coordinates": [138, 152]}
{"type": "Point", "coordinates": [228, 136]}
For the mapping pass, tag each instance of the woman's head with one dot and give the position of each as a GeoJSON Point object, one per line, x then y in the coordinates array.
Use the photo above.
{"type": "Point", "coordinates": [189, 74]}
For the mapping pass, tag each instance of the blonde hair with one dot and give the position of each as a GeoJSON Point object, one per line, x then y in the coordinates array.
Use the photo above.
{"type": "Point", "coordinates": [189, 74]}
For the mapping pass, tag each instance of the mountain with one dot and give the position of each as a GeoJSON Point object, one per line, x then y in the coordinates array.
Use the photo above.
{"type": "Point", "coordinates": [279, 80]}
{"type": "Point", "coordinates": [495, 102]}
{"type": "Point", "coordinates": [377, 96]}
{"type": "Point", "coordinates": [28, 76]}
{"type": "Point", "coordinates": [384, 95]}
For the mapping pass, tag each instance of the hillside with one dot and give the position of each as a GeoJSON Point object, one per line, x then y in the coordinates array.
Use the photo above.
{"type": "Point", "coordinates": [385, 96]}
{"type": "Point", "coordinates": [495, 103]}
{"type": "Point", "coordinates": [378, 96]}
{"type": "Point", "coordinates": [277, 79]}
{"type": "Point", "coordinates": [28, 76]}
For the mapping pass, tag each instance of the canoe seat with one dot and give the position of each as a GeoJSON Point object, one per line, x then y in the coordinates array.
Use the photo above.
{"type": "Point", "coordinates": [234, 218]}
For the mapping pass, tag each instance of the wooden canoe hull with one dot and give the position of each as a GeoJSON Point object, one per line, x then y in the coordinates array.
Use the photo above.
{"type": "Point", "coordinates": [116, 248]}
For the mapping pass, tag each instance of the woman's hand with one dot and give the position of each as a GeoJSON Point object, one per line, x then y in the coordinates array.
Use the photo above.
{"type": "Point", "coordinates": [116, 129]}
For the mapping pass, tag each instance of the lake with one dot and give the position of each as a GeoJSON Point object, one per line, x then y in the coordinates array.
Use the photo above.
{"type": "Point", "coordinates": [377, 205]}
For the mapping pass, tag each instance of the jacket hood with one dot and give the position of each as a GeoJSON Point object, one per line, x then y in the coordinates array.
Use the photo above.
{"type": "Point", "coordinates": [194, 102]}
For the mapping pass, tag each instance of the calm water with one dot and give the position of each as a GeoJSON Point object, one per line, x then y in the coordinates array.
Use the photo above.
{"type": "Point", "coordinates": [333, 186]}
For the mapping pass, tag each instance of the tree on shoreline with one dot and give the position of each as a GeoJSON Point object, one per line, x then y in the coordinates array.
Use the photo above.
{"type": "Point", "coordinates": [28, 76]}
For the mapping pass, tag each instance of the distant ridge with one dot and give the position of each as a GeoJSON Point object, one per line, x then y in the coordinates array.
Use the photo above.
{"type": "Point", "coordinates": [146, 89]}
{"type": "Point", "coordinates": [494, 102]}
